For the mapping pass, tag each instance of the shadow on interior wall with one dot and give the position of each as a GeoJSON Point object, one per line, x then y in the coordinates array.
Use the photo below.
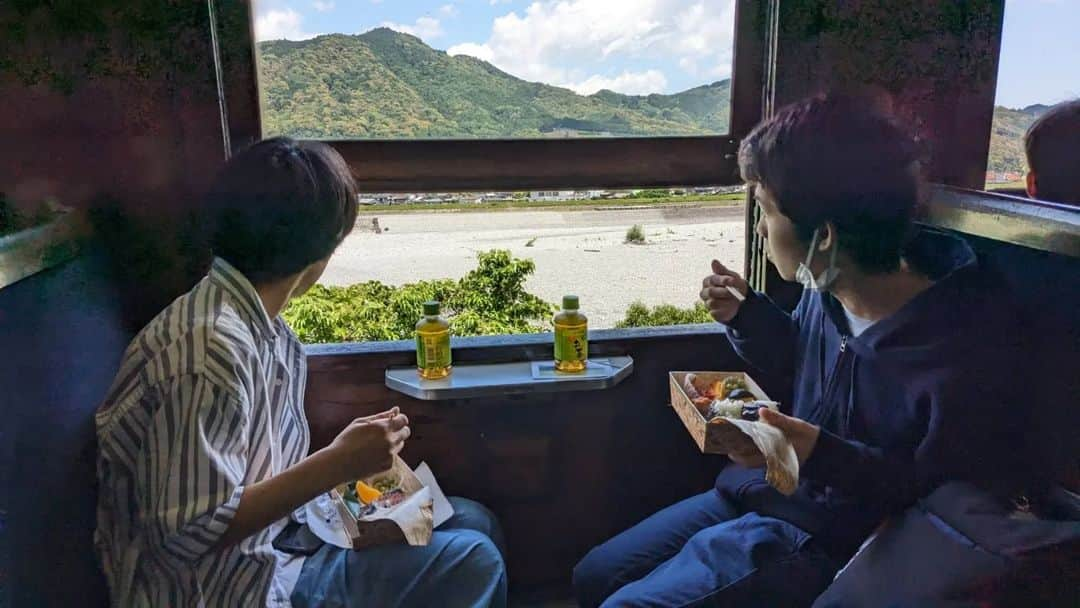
{"type": "Point", "coordinates": [152, 258]}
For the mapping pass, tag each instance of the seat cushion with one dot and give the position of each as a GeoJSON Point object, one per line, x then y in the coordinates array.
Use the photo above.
{"type": "Point", "coordinates": [63, 340]}
{"type": "Point", "coordinates": [957, 547]}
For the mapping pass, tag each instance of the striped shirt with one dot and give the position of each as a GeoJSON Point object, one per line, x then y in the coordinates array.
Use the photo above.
{"type": "Point", "coordinates": [208, 399]}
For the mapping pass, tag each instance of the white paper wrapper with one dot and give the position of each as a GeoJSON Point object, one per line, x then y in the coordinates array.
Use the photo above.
{"type": "Point", "coordinates": [442, 510]}
{"type": "Point", "coordinates": [411, 521]}
{"type": "Point", "coordinates": [781, 463]}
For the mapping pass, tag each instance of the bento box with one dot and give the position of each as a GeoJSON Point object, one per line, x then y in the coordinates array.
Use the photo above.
{"type": "Point", "coordinates": [715, 437]}
{"type": "Point", "coordinates": [732, 400]}
{"type": "Point", "coordinates": [394, 507]}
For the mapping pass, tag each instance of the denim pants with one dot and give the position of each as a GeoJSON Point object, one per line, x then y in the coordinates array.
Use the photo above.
{"type": "Point", "coordinates": [461, 567]}
{"type": "Point", "coordinates": [702, 552]}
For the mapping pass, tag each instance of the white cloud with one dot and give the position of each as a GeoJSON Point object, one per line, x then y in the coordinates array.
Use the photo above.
{"type": "Point", "coordinates": [279, 24]}
{"type": "Point", "coordinates": [322, 6]}
{"type": "Point", "coordinates": [425, 28]}
{"type": "Point", "coordinates": [448, 10]}
{"type": "Point", "coordinates": [542, 41]}
{"type": "Point", "coordinates": [630, 83]}
{"type": "Point", "coordinates": [480, 51]}
{"type": "Point", "coordinates": [496, 2]}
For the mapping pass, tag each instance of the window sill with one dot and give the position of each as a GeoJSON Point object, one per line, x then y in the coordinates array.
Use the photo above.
{"type": "Point", "coordinates": [41, 247]}
{"type": "Point", "coordinates": [487, 349]}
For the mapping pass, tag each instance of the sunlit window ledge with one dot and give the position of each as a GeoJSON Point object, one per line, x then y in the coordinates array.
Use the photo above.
{"type": "Point", "coordinates": [535, 345]}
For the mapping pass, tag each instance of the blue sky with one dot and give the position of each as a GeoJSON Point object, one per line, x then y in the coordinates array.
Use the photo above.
{"type": "Point", "coordinates": [647, 46]}
{"type": "Point", "coordinates": [1040, 52]}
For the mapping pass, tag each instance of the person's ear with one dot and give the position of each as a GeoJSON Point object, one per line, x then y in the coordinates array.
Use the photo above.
{"type": "Point", "coordinates": [1032, 191]}
{"type": "Point", "coordinates": [827, 236]}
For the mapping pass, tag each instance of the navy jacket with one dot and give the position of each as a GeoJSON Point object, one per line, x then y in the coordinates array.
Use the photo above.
{"type": "Point", "coordinates": [941, 390]}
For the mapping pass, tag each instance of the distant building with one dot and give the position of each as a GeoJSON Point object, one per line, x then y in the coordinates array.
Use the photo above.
{"type": "Point", "coordinates": [566, 133]}
{"type": "Point", "coordinates": [384, 198]}
{"type": "Point", "coordinates": [553, 195]}
{"type": "Point", "coordinates": [441, 197]}
{"type": "Point", "coordinates": [1001, 177]}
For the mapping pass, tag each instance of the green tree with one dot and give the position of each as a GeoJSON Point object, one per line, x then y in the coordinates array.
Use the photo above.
{"type": "Point", "coordinates": [489, 300]}
{"type": "Point", "coordinates": [640, 315]}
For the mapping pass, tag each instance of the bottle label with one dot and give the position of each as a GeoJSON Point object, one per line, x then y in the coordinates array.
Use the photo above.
{"type": "Point", "coordinates": [572, 344]}
{"type": "Point", "coordinates": [433, 351]}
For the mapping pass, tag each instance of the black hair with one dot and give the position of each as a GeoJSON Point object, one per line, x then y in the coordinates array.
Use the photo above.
{"type": "Point", "coordinates": [279, 206]}
{"type": "Point", "coordinates": [840, 159]}
{"type": "Point", "coordinates": [1052, 146]}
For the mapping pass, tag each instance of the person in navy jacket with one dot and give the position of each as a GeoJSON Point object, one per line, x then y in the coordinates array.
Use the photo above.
{"type": "Point", "coordinates": [904, 359]}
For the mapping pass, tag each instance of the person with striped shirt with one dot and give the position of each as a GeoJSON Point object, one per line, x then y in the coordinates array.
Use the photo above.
{"type": "Point", "coordinates": [203, 463]}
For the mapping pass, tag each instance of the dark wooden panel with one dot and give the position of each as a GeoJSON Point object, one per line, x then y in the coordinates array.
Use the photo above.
{"type": "Point", "coordinates": [938, 60]}
{"type": "Point", "coordinates": [562, 471]}
{"type": "Point", "coordinates": [749, 66]}
{"type": "Point", "coordinates": [523, 164]}
{"type": "Point", "coordinates": [236, 68]}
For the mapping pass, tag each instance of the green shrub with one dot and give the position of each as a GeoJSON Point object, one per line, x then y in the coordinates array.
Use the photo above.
{"type": "Point", "coordinates": [489, 300]}
{"type": "Point", "coordinates": [640, 315]}
{"type": "Point", "coordinates": [652, 193]}
{"type": "Point", "coordinates": [635, 234]}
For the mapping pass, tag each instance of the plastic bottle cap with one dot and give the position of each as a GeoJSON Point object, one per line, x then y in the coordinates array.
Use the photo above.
{"type": "Point", "coordinates": [431, 309]}
{"type": "Point", "coordinates": [570, 303]}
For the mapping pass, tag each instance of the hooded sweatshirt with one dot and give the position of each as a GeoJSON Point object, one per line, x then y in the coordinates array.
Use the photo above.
{"type": "Point", "coordinates": [936, 392]}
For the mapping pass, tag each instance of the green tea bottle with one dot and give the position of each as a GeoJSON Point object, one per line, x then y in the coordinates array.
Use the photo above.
{"type": "Point", "coordinates": [571, 337]}
{"type": "Point", "coordinates": [432, 344]}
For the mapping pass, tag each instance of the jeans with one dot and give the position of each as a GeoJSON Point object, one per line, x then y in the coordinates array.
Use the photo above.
{"type": "Point", "coordinates": [462, 566]}
{"type": "Point", "coordinates": [703, 552]}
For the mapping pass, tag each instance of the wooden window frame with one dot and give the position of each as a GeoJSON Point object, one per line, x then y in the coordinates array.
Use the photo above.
{"type": "Point", "coordinates": [416, 165]}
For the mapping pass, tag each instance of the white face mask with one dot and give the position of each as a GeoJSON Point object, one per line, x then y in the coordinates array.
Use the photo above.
{"type": "Point", "coordinates": [827, 278]}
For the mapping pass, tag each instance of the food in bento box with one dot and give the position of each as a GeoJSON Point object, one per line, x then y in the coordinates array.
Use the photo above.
{"type": "Point", "coordinates": [365, 493]}
{"type": "Point", "coordinates": [735, 408]}
{"type": "Point", "coordinates": [740, 393]}
{"type": "Point", "coordinates": [722, 389]}
{"type": "Point", "coordinates": [386, 484]}
{"type": "Point", "coordinates": [727, 398]}
{"type": "Point", "coordinates": [703, 396]}
{"type": "Point", "coordinates": [371, 494]}
{"type": "Point", "coordinates": [693, 393]}
{"type": "Point", "coordinates": [389, 499]}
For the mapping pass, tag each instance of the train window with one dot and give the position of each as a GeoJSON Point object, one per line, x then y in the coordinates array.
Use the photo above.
{"type": "Point", "coordinates": [444, 69]}
{"type": "Point", "coordinates": [426, 95]}
{"type": "Point", "coordinates": [580, 152]}
{"type": "Point", "coordinates": [502, 260]}
{"type": "Point", "coordinates": [1035, 71]}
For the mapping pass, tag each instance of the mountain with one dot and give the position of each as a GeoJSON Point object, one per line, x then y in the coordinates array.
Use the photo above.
{"type": "Point", "coordinates": [385, 84]}
{"type": "Point", "coordinates": [1007, 137]}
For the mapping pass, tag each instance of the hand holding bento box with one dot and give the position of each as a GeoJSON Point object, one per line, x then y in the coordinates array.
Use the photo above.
{"type": "Point", "coordinates": [728, 413]}
{"type": "Point", "coordinates": [731, 398]}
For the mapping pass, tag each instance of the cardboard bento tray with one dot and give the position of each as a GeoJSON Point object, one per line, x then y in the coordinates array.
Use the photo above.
{"type": "Point", "coordinates": [718, 436]}
{"type": "Point", "coordinates": [409, 519]}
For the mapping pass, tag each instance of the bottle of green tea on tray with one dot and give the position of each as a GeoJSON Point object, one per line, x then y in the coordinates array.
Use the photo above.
{"type": "Point", "coordinates": [571, 337]}
{"type": "Point", "coordinates": [432, 344]}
